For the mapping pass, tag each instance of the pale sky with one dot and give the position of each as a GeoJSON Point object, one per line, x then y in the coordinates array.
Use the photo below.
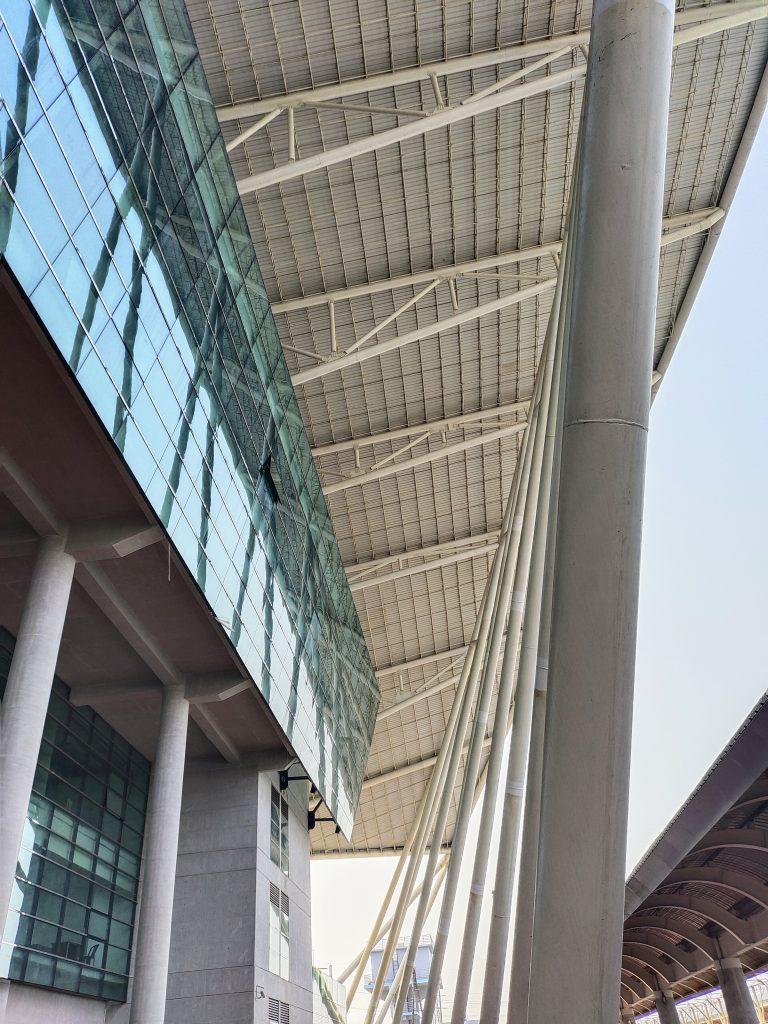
{"type": "Point", "coordinates": [704, 584]}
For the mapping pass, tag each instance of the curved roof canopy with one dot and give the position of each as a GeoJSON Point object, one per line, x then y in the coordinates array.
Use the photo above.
{"type": "Point", "coordinates": [701, 892]}
{"type": "Point", "coordinates": [405, 170]}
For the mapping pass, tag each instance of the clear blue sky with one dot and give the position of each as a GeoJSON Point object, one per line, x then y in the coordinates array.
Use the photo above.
{"type": "Point", "coordinates": [704, 588]}
{"type": "Point", "coordinates": [701, 661]}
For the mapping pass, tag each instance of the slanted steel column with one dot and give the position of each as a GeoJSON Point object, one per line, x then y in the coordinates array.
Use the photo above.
{"type": "Point", "coordinates": [508, 614]}
{"type": "Point", "coordinates": [664, 1002]}
{"type": "Point", "coordinates": [576, 958]}
{"type": "Point", "coordinates": [736, 995]}
{"type": "Point", "coordinates": [27, 694]}
{"type": "Point", "coordinates": [161, 842]}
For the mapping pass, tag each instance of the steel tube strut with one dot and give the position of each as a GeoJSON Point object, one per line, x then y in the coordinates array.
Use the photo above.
{"type": "Point", "coordinates": [521, 523]}
{"type": "Point", "coordinates": [434, 788]}
{"type": "Point", "coordinates": [460, 710]}
{"type": "Point", "coordinates": [509, 838]}
{"type": "Point", "coordinates": [512, 606]}
{"type": "Point", "coordinates": [576, 959]}
{"type": "Point", "coordinates": [529, 841]}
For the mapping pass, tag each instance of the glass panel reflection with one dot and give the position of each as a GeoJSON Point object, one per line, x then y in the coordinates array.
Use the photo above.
{"type": "Point", "coordinates": [70, 924]}
{"type": "Point", "coordinates": [120, 218]}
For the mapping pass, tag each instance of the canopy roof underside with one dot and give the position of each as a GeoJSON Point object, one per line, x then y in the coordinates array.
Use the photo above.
{"type": "Point", "coordinates": [483, 185]}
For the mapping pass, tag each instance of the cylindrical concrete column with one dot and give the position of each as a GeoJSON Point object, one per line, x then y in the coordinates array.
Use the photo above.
{"type": "Point", "coordinates": [161, 841]}
{"type": "Point", "coordinates": [736, 995]}
{"type": "Point", "coordinates": [627, 1017]}
{"type": "Point", "coordinates": [576, 957]}
{"type": "Point", "coordinates": [27, 694]}
{"type": "Point", "coordinates": [665, 1007]}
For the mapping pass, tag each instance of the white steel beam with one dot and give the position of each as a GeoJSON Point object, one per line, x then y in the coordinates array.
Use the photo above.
{"type": "Point", "coordinates": [471, 62]}
{"type": "Point", "coordinates": [693, 223]}
{"type": "Point", "coordinates": [379, 473]}
{"type": "Point", "coordinates": [473, 105]}
{"type": "Point", "coordinates": [412, 570]}
{"type": "Point", "coordinates": [432, 426]}
{"type": "Point", "coordinates": [446, 273]}
{"type": "Point", "coordinates": [430, 551]}
{"type": "Point", "coordinates": [414, 698]}
{"type": "Point", "coordinates": [438, 327]}
{"type": "Point", "coordinates": [441, 118]}
{"type": "Point", "coordinates": [409, 769]}
{"type": "Point", "coordinates": [428, 659]}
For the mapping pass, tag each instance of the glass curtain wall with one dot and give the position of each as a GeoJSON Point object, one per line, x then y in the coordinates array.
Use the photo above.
{"type": "Point", "coordinates": [70, 925]}
{"type": "Point", "coordinates": [121, 221]}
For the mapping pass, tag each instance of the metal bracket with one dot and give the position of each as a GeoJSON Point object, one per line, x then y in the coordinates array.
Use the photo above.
{"type": "Point", "coordinates": [312, 820]}
{"type": "Point", "coordinates": [285, 778]}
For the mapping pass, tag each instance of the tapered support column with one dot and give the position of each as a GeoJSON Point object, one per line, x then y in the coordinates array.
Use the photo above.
{"type": "Point", "coordinates": [576, 958]}
{"type": "Point", "coordinates": [736, 995]}
{"type": "Point", "coordinates": [627, 1017]}
{"type": "Point", "coordinates": [665, 1007]}
{"type": "Point", "coordinates": [27, 694]}
{"type": "Point", "coordinates": [161, 841]}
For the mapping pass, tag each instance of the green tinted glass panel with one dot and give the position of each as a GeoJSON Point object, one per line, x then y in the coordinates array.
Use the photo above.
{"type": "Point", "coordinates": [121, 220]}
{"type": "Point", "coordinates": [70, 924]}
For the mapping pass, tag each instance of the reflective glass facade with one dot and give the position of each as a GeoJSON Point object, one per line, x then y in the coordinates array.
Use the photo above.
{"type": "Point", "coordinates": [71, 919]}
{"type": "Point", "coordinates": [120, 219]}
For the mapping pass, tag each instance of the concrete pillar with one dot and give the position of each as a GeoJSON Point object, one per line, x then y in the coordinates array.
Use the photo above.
{"type": "Point", "coordinates": [27, 694]}
{"type": "Point", "coordinates": [665, 1007]}
{"type": "Point", "coordinates": [161, 841]}
{"type": "Point", "coordinates": [576, 956]}
{"type": "Point", "coordinates": [736, 994]}
{"type": "Point", "coordinates": [627, 1017]}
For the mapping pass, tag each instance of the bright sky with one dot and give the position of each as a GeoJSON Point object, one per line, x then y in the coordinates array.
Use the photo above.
{"type": "Point", "coordinates": [704, 586]}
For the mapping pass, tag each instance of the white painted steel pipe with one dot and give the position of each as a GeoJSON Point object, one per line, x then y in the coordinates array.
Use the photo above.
{"type": "Point", "coordinates": [527, 469]}
{"type": "Point", "coordinates": [433, 426]}
{"type": "Point", "coordinates": [427, 659]}
{"type": "Point", "coordinates": [425, 694]}
{"type": "Point", "coordinates": [428, 331]}
{"type": "Point", "coordinates": [522, 940]}
{"type": "Point", "coordinates": [510, 605]}
{"type": "Point", "coordinates": [384, 927]}
{"type": "Point", "coordinates": [523, 710]}
{"type": "Point", "coordinates": [358, 966]}
{"type": "Point", "coordinates": [27, 693]}
{"type": "Point", "coordinates": [463, 555]}
{"type": "Point", "coordinates": [458, 65]}
{"type": "Point", "coordinates": [493, 768]}
{"type": "Point", "coordinates": [398, 980]}
{"type": "Point", "coordinates": [410, 130]}
{"type": "Point", "coordinates": [416, 461]}
{"type": "Point", "coordinates": [695, 220]}
{"type": "Point", "coordinates": [454, 734]}
{"type": "Point", "coordinates": [432, 798]}
{"type": "Point", "coordinates": [576, 957]}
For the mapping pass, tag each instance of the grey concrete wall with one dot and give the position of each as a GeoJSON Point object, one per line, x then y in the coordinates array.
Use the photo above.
{"type": "Point", "coordinates": [29, 1005]}
{"type": "Point", "coordinates": [297, 992]}
{"type": "Point", "coordinates": [220, 935]}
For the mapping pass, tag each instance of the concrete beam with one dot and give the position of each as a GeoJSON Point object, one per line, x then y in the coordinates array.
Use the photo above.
{"type": "Point", "coordinates": [213, 731]}
{"type": "Point", "coordinates": [108, 538]}
{"type": "Point", "coordinates": [203, 689]}
{"type": "Point", "coordinates": [97, 585]}
{"type": "Point", "coordinates": [20, 540]}
{"type": "Point", "coordinates": [89, 694]}
{"type": "Point", "coordinates": [26, 499]}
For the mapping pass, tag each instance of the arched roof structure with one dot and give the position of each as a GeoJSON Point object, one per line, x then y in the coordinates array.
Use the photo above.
{"type": "Point", "coordinates": [713, 901]}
